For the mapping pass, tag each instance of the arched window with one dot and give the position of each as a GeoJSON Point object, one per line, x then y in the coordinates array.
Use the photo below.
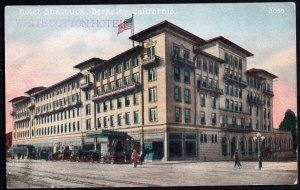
{"type": "Point", "coordinates": [224, 146]}
{"type": "Point", "coordinates": [250, 149]}
{"type": "Point", "coordinates": [243, 147]}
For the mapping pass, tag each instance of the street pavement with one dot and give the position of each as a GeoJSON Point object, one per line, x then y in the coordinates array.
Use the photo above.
{"type": "Point", "coordinates": [63, 174]}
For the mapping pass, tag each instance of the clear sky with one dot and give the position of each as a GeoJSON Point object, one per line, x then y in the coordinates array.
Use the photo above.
{"type": "Point", "coordinates": [43, 43]}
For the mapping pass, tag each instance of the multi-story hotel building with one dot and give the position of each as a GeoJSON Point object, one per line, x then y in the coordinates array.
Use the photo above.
{"type": "Point", "coordinates": [174, 96]}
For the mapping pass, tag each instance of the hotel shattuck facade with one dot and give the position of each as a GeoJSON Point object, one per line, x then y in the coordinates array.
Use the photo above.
{"type": "Point", "coordinates": [175, 96]}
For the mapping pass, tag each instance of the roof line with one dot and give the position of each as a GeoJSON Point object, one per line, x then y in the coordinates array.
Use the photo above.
{"type": "Point", "coordinates": [116, 57]}
{"type": "Point", "coordinates": [58, 83]}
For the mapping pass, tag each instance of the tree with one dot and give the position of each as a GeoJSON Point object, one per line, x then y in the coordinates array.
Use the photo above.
{"type": "Point", "coordinates": [289, 123]}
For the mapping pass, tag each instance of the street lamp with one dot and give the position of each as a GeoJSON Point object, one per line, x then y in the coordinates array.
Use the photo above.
{"type": "Point", "coordinates": [259, 138]}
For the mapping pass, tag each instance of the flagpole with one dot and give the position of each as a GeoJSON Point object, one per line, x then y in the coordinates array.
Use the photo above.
{"type": "Point", "coordinates": [132, 30]}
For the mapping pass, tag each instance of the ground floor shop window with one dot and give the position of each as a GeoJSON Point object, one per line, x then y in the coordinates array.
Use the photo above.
{"type": "Point", "coordinates": [190, 145]}
{"type": "Point", "coordinates": [175, 147]}
{"type": "Point", "coordinates": [153, 150]}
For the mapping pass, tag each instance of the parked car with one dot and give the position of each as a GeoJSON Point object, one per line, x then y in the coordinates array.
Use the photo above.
{"type": "Point", "coordinates": [57, 156]}
{"type": "Point", "coordinates": [33, 156]}
{"type": "Point", "coordinates": [86, 156]}
{"type": "Point", "coordinates": [65, 155]}
{"type": "Point", "coordinates": [112, 159]}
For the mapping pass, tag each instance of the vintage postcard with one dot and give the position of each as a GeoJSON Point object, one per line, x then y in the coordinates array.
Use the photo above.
{"type": "Point", "coordinates": [151, 95]}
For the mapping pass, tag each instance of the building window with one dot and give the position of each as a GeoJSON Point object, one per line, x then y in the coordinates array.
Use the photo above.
{"type": "Point", "coordinates": [202, 100]}
{"type": "Point", "coordinates": [187, 76]}
{"type": "Point", "coordinates": [127, 118]}
{"type": "Point", "coordinates": [98, 105]}
{"type": "Point", "coordinates": [135, 61]}
{"type": "Point", "coordinates": [135, 99]}
{"type": "Point", "coordinates": [152, 114]}
{"type": "Point", "coordinates": [152, 94]}
{"type": "Point", "coordinates": [112, 123]}
{"type": "Point", "coordinates": [204, 66]}
{"type": "Point", "coordinates": [240, 64]}
{"type": "Point", "coordinates": [119, 101]}
{"type": "Point", "coordinates": [136, 77]}
{"type": "Point", "coordinates": [205, 138]}
{"type": "Point", "coordinates": [119, 119]}
{"type": "Point", "coordinates": [112, 85]}
{"type": "Point", "coordinates": [210, 68]}
{"type": "Point", "coordinates": [136, 117]}
{"type": "Point", "coordinates": [187, 96]}
{"type": "Point", "coordinates": [119, 68]}
{"type": "Point", "coordinates": [112, 105]}
{"type": "Point", "coordinates": [232, 105]}
{"type": "Point", "coordinates": [213, 102]}
{"type": "Point", "coordinates": [88, 124]}
{"type": "Point", "coordinates": [199, 63]}
{"type": "Point", "coordinates": [127, 80]}
{"type": "Point", "coordinates": [202, 117]}
{"type": "Point", "coordinates": [224, 146]}
{"type": "Point", "coordinates": [236, 106]}
{"type": "Point", "coordinates": [105, 122]}
{"type": "Point", "coordinates": [176, 51]}
{"type": "Point", "coordinates": [151, 74]}
{"type": "Point", "coordinates": [88, 109]}
{"type": "Point", "coordinates": [177, 93]}
{"type": "Point", "coordinates": [213, 119]}
{"type": "Point", "coordinates": [105, 106]}
{"type": "Point", "coordinates": [177, 114]}
{"type": "Point", "coordinates": [187, 115]}
{"type": "Point", "coordinates": [87, 95]}
{"type": "Point", "coordinates": [127, 100]}
{"type": "Point", "coordinates": [240, 107]}
{"type": "Point", "coordinates": [177, 74]}
{"type": "Point", "coordinates": [127, 64]}
{"type": "Point", "coordinates": [78, 126]}
{"type": "Point", "coordinates": [227, 104]}
{"type": "Point", "coordinates": [186, 55]}
{"type": "Point", "coordinates": [119, 83]}
{"type": "Point", "coordinates": [99, 122]}
{"type": "Point", "coordinates": [151, 52]}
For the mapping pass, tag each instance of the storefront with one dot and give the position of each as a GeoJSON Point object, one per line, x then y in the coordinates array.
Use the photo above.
{"type": "Point", "coordinates": [182, 146]}
{"type": "Point", "coordinates": [154, 147]}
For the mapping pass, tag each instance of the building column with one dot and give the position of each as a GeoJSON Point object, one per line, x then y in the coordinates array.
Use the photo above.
{"type": "Point", "coordinates": [166, 146]}
{"type": "Point", "coordinates": [95, 143]}
{"type": "Point", "coordinates": [182, 146]}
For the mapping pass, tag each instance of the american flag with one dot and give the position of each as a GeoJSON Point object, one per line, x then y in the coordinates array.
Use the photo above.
{"type": "Point", "coordinates": [126, 24]}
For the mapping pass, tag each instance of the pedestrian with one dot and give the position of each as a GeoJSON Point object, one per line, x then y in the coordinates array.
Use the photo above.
{"type": "Point", "coordinates": [142, 155]}
{"type": "Point", "coordinates": [134, 157]}
{"type": "Point", "coordinates": [237, 160]}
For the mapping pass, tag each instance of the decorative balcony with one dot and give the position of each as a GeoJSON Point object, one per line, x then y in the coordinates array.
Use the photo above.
{"type": "Point", "coordinates": [151, 61]}
{"type": "Point", "coordinates": [86, 85]}
{"type": "Point", "coordinates": [253, 100]}
{"type": "Point", "coordinates": [268, 92]}
{"type": "Point", "coordinates": [236, 128]}
{"type": "Point", "coordinates": [76, 104]}
{"type": "Point", "coordinates": [22, 118]}
{"type": "Point", "coordinates": [233, 79]}
{"type": "Point", "coordinates": [182, 62]}
{"type": "Point", "coordinates": [13, 113]}
{"type": "Point", "coordinates": [31, 106]}
{"type": "Point", "coordinates": [212, 90]}
{"type": "Point", "coordinates": [124, 89]}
